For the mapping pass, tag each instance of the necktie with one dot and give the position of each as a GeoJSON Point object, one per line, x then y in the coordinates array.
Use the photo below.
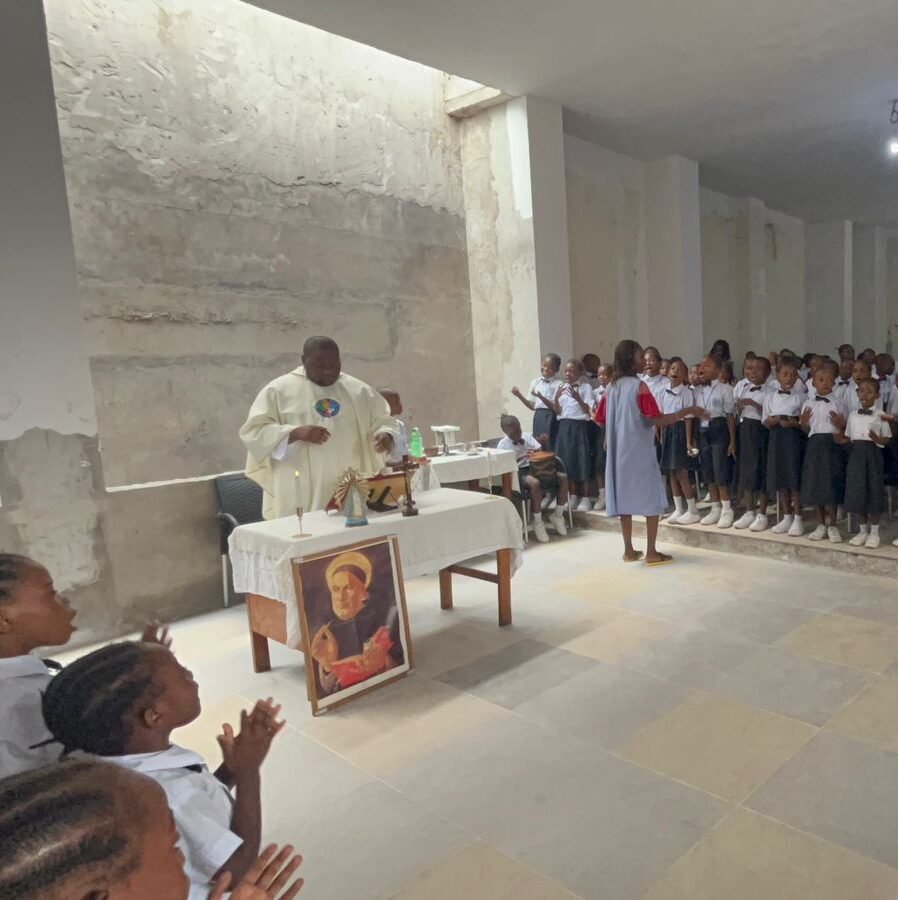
{"type": "Point", "coordinates": [865, 412]}
{"type": "Point", "coordinates": [196, 767]}
{"type": "Point", "coordinates": [787, 393]}
{"type": "Point", "coordinates": [757, 387]}
{"type": "Point", "coordinates": [669, 391]}
{"type": "Point", "coordinates": [844, 382]}
{"type": "Point", "coordinates": [823, 399]}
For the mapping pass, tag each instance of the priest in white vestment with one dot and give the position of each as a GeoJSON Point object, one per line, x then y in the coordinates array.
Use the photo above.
{"type": "Point", "coordinates": [318, 422]}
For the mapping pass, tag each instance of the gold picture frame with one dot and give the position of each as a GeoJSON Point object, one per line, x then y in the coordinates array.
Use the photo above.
{"type": "Point", "coordinates": [354, 620]}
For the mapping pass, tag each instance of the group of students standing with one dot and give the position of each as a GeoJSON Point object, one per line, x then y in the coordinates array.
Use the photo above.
{"type": "Point", "coordinates": [810, 431]}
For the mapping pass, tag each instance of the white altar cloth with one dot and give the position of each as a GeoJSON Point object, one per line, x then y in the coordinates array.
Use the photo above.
{"type": "Point", "coordinates": [459, 466]}
{"type": "Point", "coordinates": [452, 526]}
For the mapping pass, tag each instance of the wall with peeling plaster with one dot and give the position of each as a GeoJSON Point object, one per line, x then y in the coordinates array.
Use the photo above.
{"type": "Point", "coordinates": [238, 181]}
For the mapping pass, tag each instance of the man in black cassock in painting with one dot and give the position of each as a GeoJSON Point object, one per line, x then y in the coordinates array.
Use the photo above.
{"type": "Point", "coordinates": [362, 640]}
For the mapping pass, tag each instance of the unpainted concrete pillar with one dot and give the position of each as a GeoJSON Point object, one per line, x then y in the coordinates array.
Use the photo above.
{"type": "Point", "coordinates": [829, 285]}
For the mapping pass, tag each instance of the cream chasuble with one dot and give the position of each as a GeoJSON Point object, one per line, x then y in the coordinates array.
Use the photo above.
{"type": "Point", "coordinates": [349, 409]}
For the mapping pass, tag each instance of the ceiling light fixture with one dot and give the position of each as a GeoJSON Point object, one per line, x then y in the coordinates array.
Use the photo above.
{"type": "Point", "coordinates": [893, 148]}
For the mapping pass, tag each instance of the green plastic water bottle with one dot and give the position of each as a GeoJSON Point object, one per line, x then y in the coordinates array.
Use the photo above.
{"type": "Point", "coordinates": [416, 444]}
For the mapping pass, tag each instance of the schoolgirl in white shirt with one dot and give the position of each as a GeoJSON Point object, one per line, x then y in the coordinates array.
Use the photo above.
{"type": "Point", "coordinates": [869, 433]}
{"type": "Point", "coordinates": [717, 441]}
{"type": "Point", "coordinates": [122, 703]}
{"type": "Point", "coordinates": [541, 399]}
{"type": "Point", "coordinates": [654, 380]}
{"type": "Point", "coordinates": [823, 472]}
{"type": "Point", "coordinates": [677, 441]}
{"type": "Point", "coordinates": [574, 405]}
{"type": "Point", "coordinates": [32, 614]}
{"type": "Point", "coordinates": [753, 441]}
{"type": "Point", "coordinates": [785, 451]}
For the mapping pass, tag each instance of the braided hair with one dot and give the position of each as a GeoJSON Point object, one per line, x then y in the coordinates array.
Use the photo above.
{"type": "Point", "coordinates": [12, 570]}
{"type": "Point", "coordinates": [62, 822]}
{"type": "Point", "coordinates": [86, 705]}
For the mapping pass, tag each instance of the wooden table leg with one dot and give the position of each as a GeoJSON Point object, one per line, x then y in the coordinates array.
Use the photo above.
{"type": "Point", "coordinates": [445, 589]}
{"type": "Point", "coordinates": [506, 484]}
{"type": "Point", "coordinates": [503, 563]}
{"type": "Point", "coordinates": [474, 485]}
{"type": "Point", "coordinates": [258, 642]}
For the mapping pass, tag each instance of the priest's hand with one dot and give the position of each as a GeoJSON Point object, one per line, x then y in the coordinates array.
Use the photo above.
{"type": "Point", "coordinates": [383, 443]}
{"type": "Point", "coordinates": [309, 434]}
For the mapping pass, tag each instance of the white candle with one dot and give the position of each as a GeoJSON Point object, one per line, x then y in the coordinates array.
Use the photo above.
{"type": "Point", "coordinates": [489, 468]}
{"type": "Point", "coordinates": [296, 499]}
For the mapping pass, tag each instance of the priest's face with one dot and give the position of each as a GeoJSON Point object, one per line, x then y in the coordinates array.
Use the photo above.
{"type": "Point", "coordinates": [348, 595]}
{"type": "Point", "coordinates": [322, 366]}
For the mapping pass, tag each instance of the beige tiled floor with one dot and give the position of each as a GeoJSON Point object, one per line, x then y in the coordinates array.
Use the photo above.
{"type": "Point", "coordinates": [717, 729]}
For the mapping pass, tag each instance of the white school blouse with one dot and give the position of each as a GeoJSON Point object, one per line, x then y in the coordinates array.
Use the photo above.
{"type": "Point", "coordinates": [522, 450]}
{"type": "Point", "coordinates": [820, 408]}
{"type": "Point", "coordinates": [676, 398]}
{"type": "Point", "coordinates": [657, 384]}
{"type": "Point", "coordinates": [570, 408]}
{"type": "Point", "coordinates": [850, 399]}
{"type": "Point", "coordinates": [860, 425]}
{"type": "Point", "coordinates": [782, 403]}
{"type": "Point", "coordinates": [717, 398]}
{"type": "Point", "coordinates": [201, 805]}
{"type": "Point", "coordinates": [745, 390]}
{"type": "Point", "coordinates": [22, 680]}
{"type": "Point", "coordinates": [548, 387]}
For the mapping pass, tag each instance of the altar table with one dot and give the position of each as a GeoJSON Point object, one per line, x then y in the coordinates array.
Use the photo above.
{"type": "Point", "coordinates": [452, 526]}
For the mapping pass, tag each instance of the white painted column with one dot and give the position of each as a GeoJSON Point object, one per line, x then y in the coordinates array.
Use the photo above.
{"type": "Point", "coordinates": [516, 227]}
{"type": "Point", "coordinates": [673, 240]}
{"type": "Point", "coordinates": [44, 375]}
{"type": "Point", "coordinates": [869, 285]}
{"type": "Point", "coordinates": [828, 285]}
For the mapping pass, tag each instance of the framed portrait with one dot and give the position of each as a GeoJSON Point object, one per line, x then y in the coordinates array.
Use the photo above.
{"type": "Point", "coordinates": [354, 620]}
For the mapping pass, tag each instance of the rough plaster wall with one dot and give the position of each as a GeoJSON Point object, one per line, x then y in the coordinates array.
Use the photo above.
{"type": "Point", "coordinates": [726, 283]}
{"type": "Point", "coordinates": [784, 266]}
{"type": "Point", "coordinates": [501, 261]}
{"type": "Point", "coordinates": [606, 234]}
{"type": "Point", "coordinates": [238, 181]}
{"type": "Point", "coordinates": [828, 283]}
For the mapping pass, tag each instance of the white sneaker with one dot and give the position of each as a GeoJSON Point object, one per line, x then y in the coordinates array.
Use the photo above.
{"type": "Point", "coordinates": [689, 518]}
{"type": "Point", "coordinates": [673, 518]}
{"type": "Point", "coordinates": [818, 534]}
{"type": "Point", "coordinates": [539, 529]}
{"type": "Point", "coordinates": [783, 525]}
{"type": "Point", "coordinates": [573, 502]}
{"type": "Point", "coordinates": [585, 505]}
{"type": "Point", "coordinates": [796, 529]}
{"type": "Point", "coordinates": [760, 523]}
{"type": "Point", "coordinates": [746, 520]}
{"type": "Point", "coordinates": [834, 535]}
{"type": "Point", "coordinates": [713, 517]}
{"type": "Point", "coordinates": [726, 519]}
{"type": "Point", "coordinates": [558, 521]}
{"type": "Point", "coordinates": [859, 539]}
{"type": "Point", "coordinates": [600, 504]}
{"type": "Point", "coordinates": [872, 542]}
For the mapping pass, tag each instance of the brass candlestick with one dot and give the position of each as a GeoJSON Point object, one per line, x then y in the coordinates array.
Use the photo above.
{"type": "Point", "coordinates": [408, 506]}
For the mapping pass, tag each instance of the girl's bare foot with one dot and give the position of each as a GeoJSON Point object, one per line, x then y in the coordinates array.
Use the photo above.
{"type": "Point", "coordinates": [657, 559]}
{"type": "Point", "coordinates": [632, 555]}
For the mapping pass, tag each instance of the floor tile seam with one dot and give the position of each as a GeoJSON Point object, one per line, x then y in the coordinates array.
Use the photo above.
{"type": "Point", "coordinates": [843, 706]}
{"type": "Point", "coordinates": [815, 837]}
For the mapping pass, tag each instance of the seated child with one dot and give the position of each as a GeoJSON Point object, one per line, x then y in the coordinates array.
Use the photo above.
{"type": "Point", "coordinates": [89, 829]}
{"type": "Point", "coordinates": [32, 614]}
{"type": "Point", "coordinates": [869, 432]}
{"type": "Point", "coordinates": [541, 399]}
{"type": "Point", "coordinates": [400, 446]}
{"type": "Point", "coordinates": [523, 445]}
{"type": "Point", "coordinates": [122, 702]}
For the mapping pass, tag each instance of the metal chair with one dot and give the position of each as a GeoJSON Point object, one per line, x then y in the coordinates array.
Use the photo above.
{"type": "Point", "coordinates": [526, 506]}
{"type": "Point", "coordinates": [239, 503]}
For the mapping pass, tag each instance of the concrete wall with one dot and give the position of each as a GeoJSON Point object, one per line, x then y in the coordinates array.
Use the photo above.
{"type": "Point", "coordinates": [513, 162]}
{"type": "Point", "coordinates": [606, 235]}
{"type": "Point", "coordinates": [829, 284]}
{"type": "Point", "coordinates": [238, 181]}
{"type": "Point", "coordinates": [753, 275]}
